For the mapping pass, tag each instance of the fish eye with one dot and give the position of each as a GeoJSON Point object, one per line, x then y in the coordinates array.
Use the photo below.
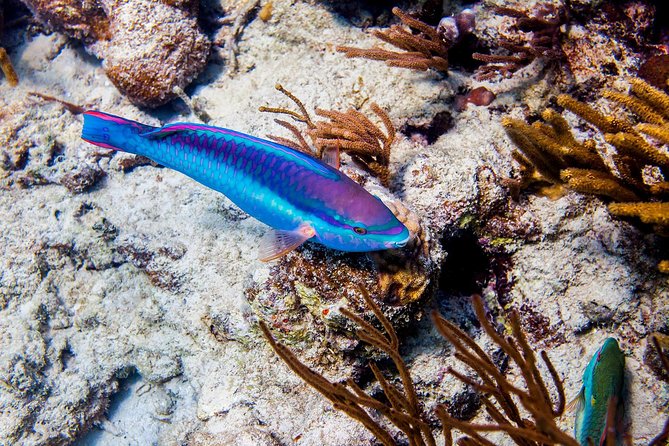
{"type": "Point", "coordinates": [360, 231]}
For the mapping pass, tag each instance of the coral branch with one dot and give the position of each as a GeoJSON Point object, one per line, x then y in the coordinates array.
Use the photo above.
{"type": "Point", "coordinates": [551, 154]}
{"type": "Point", "coordinates": [350, 132]}
{"type": "Point", "coordinates": [404, 411]}
{"type": "Point", "coordinates": [539, 36]}
{"type": "Point", "coordinates": [536, 400]}
{"type": "Point", "coordinates": [8, 69]}
{"type": "Point", "coordinates": [422, 46]}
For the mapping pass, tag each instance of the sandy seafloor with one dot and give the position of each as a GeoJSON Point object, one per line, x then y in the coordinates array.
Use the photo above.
{"type": "Point", "coordinates": [91, 348]}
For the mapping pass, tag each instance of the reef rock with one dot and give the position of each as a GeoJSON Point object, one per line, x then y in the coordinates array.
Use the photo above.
{"type": "Point", "coordinates": [148, 48]}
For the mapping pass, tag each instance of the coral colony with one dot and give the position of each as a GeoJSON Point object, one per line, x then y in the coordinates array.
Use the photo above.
{"type": "Point", "coordinates": [635, 180]}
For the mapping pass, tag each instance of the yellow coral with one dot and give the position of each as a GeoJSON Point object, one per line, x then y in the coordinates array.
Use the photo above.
{"type": "Point", "coordinates": [551, 153]}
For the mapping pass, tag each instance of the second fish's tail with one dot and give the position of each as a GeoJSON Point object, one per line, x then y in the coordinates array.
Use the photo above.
{"type": "Point", "coordinates": [113, 132]}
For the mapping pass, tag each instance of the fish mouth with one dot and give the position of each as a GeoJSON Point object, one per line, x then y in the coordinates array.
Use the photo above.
{"type": "Point", "coordinates": [398, 243]}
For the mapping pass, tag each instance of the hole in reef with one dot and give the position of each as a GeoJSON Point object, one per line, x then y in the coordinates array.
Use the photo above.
{"type": "Point", "coordinates": [128, 380]}
{"type": "Point", "coordinates": [364, 13]}
{"type": "Point", "coordinates": [467, 267]}
{"type": "Point", "coordinates": [440, 123]}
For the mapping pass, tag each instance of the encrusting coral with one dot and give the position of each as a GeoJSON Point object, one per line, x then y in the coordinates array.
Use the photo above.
{"type": "Point", "coordinates": [636, 178]}
{"type": "Point", "coordinates": [422, 46]}
{"type": "Point", "coordinates": [540, 31]}
{"type": "Point", "coordinates": [399, 404]}
{"type": "Point", "coordinates": [350, 132]}
{"type": "Point", "coordinates": [148, 47]}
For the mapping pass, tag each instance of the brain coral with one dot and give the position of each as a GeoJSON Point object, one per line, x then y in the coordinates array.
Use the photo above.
{"type": "Point", "coordinates": [148, 47]}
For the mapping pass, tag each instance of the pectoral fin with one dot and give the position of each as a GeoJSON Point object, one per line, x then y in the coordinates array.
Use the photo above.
{"type": "Point", "coordinates": [576, 406]}
{"type": "Point", "coordinates": [279, 243]}
{"type": "Point", "coordinates": [167, 130]}
{"type": "Point", "coordinates": [331, 157]}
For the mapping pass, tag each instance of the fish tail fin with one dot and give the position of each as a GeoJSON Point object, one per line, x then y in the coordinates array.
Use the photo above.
{"type": "Point", "coordinates": [112, 132]}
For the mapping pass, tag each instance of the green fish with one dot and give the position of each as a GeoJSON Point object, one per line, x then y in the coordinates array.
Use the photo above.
{"type": "Point", "coordinates": [599, 404]}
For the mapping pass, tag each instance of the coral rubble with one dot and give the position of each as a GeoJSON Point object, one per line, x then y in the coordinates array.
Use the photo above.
{"type": "Point", "coordinates": [636, 177]}
{"type": "Point", "coordinates": [148, 48]}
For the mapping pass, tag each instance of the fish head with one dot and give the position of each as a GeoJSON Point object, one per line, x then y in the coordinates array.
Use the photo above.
{"type": "Point", "coordinates": [608, 369]}
{"type": "Point", "coordinates": [604, 376]}
{"type": "Point", "coordinates": [358, 221]}
{"type": "Point", "coordinates": [602, 383]}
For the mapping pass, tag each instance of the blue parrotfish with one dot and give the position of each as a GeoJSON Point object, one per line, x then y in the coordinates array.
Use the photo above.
{"type": "Point", "coordinates": [599, 404]}
{"type": "Point", "coordinates": [302, 198]}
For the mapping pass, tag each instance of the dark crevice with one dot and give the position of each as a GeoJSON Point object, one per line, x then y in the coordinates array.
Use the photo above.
{"type": "Point", "coordinates": [467, 268]}
{"type": "Point", "coordinates": [440, 123]}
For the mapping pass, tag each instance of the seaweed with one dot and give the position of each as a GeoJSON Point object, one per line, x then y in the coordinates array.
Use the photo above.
{"type": "Point", "coordinates": [400, 405]}
{"type": "Point", "coordinates": [540, 38]}
{"type": "Point", "coordinates": [636, 178]}
{"type": "Point", "coordinates": [351, 132]}
{"type": "Point", "coordinates": [421, 46]}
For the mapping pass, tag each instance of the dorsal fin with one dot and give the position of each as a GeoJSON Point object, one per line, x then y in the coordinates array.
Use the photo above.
{"type": "Point", "coordinates": [168, 130]}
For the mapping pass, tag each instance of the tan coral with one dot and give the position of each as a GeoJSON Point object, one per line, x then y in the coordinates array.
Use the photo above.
{"type": "Point", "coordinates": [421, 46]}
{"type": "Point", "coordinates": [350, 132]}
{"type": "Point", "coordinates": [405, 274]}
{"type": "Point", "coordinates": [8, 69]}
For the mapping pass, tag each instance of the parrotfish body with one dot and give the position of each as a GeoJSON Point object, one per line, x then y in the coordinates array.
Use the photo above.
{"type": "Point", "coordinates": [299, 196]}
{"type": "Point", "coordinates": [602, 383]}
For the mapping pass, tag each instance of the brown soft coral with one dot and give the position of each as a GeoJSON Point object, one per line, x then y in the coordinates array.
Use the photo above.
{"type": "Point", "coordinates": [421, 46]}
{"type": "Point", "coordinates": [148, 48]}
{"type": "Point", "coordinates": [350, 132]}
{"type": "Point", "coordinates": [536, 35]}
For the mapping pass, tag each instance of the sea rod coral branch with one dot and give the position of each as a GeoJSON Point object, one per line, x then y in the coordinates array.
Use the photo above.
{"type": "Point", "coordinates": [422, 47]}
{"type": "Point", "coordinates": [500, 395]}
{"type": "Point", "coordinates": [350, 132]}
{"type": "Point", "coordinates": [548, 152]}
{"type": "Point", "coordinates": [536, 35]}
{"type": "Point", "coordinates": [402, 410]}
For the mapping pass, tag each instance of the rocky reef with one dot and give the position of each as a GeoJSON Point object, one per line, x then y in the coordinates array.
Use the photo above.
{"type": "Point", "coordinates": [148, 48]}
{"type": "Point", "coordinates": [131, 296]}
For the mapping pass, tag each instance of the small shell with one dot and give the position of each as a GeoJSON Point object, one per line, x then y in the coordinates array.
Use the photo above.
{"type": "Point", "coordinates": [448, 30]}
